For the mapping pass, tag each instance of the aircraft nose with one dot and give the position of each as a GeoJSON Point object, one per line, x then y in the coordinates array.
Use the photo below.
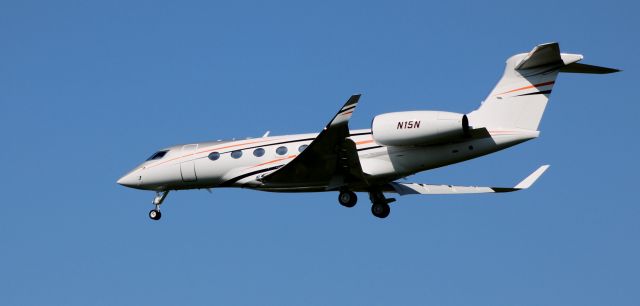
{"type": "Point", "coordinates": [129, 180]}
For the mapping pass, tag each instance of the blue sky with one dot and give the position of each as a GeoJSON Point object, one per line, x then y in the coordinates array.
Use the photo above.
{"type": "Point", "coordinates": [89, 89]}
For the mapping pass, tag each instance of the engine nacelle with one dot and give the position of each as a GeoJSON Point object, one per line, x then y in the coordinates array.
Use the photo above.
{"type": "Point", "coordinates": [419, 128]}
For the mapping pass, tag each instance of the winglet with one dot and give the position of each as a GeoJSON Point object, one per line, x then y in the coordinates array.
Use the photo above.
{"type": "Point", "coordinates": [527, 182]}
{"type": "Point", "coordinates": [346, 111]}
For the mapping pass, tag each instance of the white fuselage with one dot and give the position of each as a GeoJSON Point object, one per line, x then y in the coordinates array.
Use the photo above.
{"type": "Point", "coordinates": [398, 144]}
{"type": "Point", "coordinates": [238, 163]}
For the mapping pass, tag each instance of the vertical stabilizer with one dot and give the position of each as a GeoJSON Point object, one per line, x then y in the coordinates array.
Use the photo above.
{"type": "Point", "coordinates": [520, 97]}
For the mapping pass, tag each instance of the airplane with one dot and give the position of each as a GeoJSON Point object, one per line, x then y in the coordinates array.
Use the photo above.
{"type": "Point", "coordinates": [397, 145]}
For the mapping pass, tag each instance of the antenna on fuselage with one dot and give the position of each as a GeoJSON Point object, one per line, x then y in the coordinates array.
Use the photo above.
{"type": "Point", "coordinates": [266, 134]}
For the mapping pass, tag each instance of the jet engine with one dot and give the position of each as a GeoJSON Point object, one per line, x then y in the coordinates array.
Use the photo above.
{"type": "Point", "coordinates": [419, 128]}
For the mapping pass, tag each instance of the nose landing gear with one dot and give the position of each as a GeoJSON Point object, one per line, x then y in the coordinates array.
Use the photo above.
{"type": "Point", "coordinates": [155, 214]}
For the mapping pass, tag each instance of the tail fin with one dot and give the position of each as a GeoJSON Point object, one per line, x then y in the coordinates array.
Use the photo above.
{"type": "Point", "coordinates": [521, 95]}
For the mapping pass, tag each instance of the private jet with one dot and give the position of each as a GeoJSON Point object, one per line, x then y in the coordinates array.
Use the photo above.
{"type": "Point", "coordinates": [372, 161]}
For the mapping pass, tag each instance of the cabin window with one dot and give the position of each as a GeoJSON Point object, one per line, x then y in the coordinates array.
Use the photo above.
{"type": "Point", "coordinates": [258, 152]}
{"type": "Point", "coordinates": [214, 155]}
{"type": "Point", "coordinates": [236, 154]}
{"type": "Point", "coordinates": [158, 155]}
{"type": "Point", "coordinates": [281, 150]}
{"type": "Point", "coordinates": [302, 147]}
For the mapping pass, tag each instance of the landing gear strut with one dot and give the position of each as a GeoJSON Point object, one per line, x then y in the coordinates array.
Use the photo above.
{"type": "Point", "coordinates": [380, 205]}
{"type": "Point", "coordinates": [347, 198]}
{"type": "Point", "coordinates": [155, 214]}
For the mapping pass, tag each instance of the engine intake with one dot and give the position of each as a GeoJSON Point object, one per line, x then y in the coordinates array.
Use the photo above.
{"type": "Point", "coordinates": [419, 128]}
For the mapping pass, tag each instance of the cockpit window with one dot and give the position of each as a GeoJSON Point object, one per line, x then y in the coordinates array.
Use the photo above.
{"type": "Point", "coordinates": [158, 155]}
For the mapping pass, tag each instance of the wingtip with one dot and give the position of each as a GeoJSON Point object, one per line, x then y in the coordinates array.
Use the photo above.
{"type": "Point", "coordinates": [352, 100]}
{"type": "Point", "coordinates": [532, 178]}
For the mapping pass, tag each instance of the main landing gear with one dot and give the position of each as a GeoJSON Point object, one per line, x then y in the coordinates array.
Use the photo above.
{"type": "Point", "coordinates": [155, 214]}
{"type": "Point", "coordinates": [348, 198]}
{"type": "Point", "coordinates": [380, 204]}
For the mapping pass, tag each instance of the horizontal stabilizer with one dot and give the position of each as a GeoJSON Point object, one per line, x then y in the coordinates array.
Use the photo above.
{"type": "Point", "coordinates": [414, 188]}
{"type": "Point", "coordinates": [584, 68]}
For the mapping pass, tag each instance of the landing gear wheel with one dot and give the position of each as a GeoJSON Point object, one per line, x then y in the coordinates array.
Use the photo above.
{"type": "Point", "coordinates": [155, 214]}
{"type": "Point", "coordinates": [380, 210]}
{"type": "Point", "coordinates": [348, 198]}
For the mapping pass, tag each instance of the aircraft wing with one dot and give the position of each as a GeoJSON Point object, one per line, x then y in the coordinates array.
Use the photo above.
{"type": "Point", "coordinates": [414, 188]}
{"type": "Point", "coordinates": [330, 160]}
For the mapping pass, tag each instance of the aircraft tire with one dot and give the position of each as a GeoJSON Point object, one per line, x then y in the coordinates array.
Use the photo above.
{"type": "Point", "coordinates": [347, 198]}
{"type": "Point", "coordinates": [155, 214]}
{"type": "Point", "coordinates": [380, 210]}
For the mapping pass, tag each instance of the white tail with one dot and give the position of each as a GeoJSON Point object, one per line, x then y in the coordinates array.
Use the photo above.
{"type": "Point", "coordinates": [521, 95]}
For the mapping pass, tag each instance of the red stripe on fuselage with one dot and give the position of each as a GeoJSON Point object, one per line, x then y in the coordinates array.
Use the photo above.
{"type": "Point", "coordinates": [527, 87]}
